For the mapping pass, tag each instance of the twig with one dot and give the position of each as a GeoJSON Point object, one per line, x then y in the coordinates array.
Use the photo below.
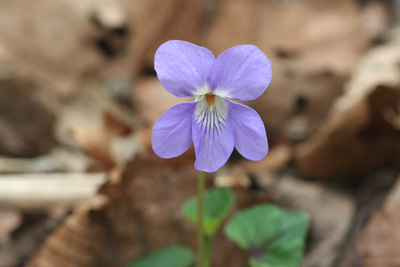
{"type": "Point", "coordinates": [40, 190]}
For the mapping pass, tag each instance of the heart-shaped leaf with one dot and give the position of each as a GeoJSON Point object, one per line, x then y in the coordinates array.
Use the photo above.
{"type": "Point", "coordinates": [217, 204]}
{"type": "Point", "coordinates": [274, 236]}
{"type": "Point", "coordinates": [173, 256]}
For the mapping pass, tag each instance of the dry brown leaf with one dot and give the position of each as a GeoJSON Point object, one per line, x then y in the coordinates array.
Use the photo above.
{"type": "Point", "coordinates": [57, 45]}
{"type": "Point", "coordinates": [361, 134]}
{"type": "Point", "coordinates": [352, 144]}
{"type": "Point", "coordinates": [379, 243]}
{"type": "Point", "coordinates": [313, 47]}
{"type": "Point", "coordinates": [26, 124]}
{"type": "Point", "coordinates": [10, 219]}
{"type": "Point", "coordinates": [54, 43]}
{"type": "Point", "coordinates": [79, 241]}
{"type": "Point", "coordinates": [328, 35]}
{"type": "Point", "coordinates": [33, 229]}
{"type": "Point", "coordinates": [97, 143]}
{"type": "Point", "coordinates": [150, 99]}
{"type": "Point", "coordinates": [94, 122]}
{"type": "Point", "coordinates": [278, 159]}
{"type": "Point", "coordinates": [139, 212]}
{"type": "Point", "coordinates": [185, 22]}
{"type": "Point", "coordinates": [136, 211]}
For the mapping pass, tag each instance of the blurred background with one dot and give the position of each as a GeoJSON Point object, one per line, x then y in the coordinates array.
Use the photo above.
{"type": "Point", "coordinates": [80, 184]}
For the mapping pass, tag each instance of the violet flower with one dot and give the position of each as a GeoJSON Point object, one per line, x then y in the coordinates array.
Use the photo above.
{"type": "Point", "coordinates": [214, 123]}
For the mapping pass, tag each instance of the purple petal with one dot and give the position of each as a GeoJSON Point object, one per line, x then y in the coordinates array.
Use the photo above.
{"type": "Point", "coordinates": [213, 144]}
{"type": "Point", "coordinates": [183, 68]}
{"type": "Point", "coordinates": [242, 72]}
{"type": "Point", "coordinates": [250, 136]}
{"type": "Point", "coordinates": [172, 133]}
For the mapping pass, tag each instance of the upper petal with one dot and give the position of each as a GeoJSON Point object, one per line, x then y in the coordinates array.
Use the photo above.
{"type": "Point", "coordinates": [213, 136]}
{"type": "Point", "coordinates": [172, 133]}
{"type": "Point", "coordinates": [242, 72]}
{"type": "Point", "coordinates": [183, 68]}
{"type": "Point", "coordinates": [250, 135]}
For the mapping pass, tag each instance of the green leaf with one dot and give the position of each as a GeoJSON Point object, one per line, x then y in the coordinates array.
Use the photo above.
{"type": "Point", "coordinates": [274, 236]}
{"type": "Point", "coordinates": [217, 204]}
{"type": "Point", "coordinates": [173, 256]}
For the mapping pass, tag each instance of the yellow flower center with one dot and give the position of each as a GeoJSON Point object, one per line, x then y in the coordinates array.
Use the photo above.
{"type": "Point", "coordinates": [210, 97]}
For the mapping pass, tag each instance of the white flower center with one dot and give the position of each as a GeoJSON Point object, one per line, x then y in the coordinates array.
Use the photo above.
{"type": "Point", "coordinates": [211, 111]}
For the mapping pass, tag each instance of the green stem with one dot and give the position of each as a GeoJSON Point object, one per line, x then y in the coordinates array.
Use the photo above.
{"type": "Point", "coordinates": [200, 212]}
{"type": "Point", "coordinates": [207, 251]}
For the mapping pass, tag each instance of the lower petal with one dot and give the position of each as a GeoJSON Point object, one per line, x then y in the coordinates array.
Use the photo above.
{"type": "Point", "coordinates": [213, 145]}
{"type": "Point", "coordinates": [172, 133]}
{"type": "Point", "coordinates": [250, 135]}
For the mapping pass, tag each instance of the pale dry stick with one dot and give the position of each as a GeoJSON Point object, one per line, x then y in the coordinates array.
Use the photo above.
{"type": "Point", "coordinates": [58, 160]}
{"type": "Point", "coordinates": [42, 189]}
